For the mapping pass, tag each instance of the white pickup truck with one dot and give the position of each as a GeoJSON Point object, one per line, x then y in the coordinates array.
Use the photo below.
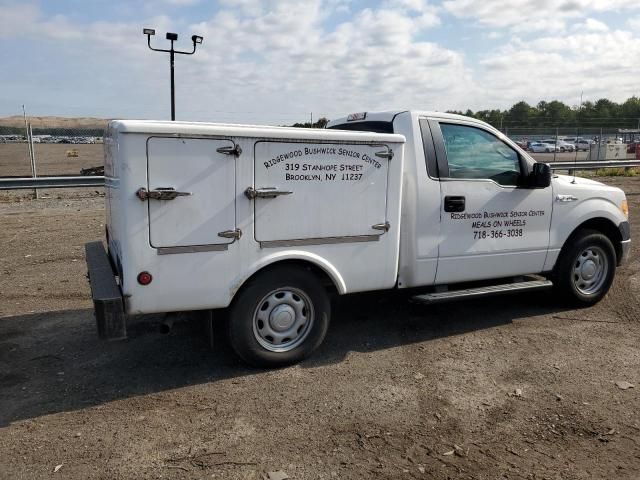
{"type": "Point", "coordinates": [266, 222]}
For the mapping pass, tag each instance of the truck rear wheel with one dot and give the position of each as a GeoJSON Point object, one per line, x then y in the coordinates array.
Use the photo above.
{"type": "Point", "coordinates": [586, 268]}
{"type": "Point", "coordinates": [279, 318]}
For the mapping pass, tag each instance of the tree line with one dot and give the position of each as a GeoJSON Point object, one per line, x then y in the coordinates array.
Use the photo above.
{"type": "Point", "coordinates": [602, 113]}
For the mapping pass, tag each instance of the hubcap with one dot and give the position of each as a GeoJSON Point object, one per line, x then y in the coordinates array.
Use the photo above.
{"type": "Point", "coordinates": [283, 319]}
{"type": "Point", "coordinates": [590, 270]}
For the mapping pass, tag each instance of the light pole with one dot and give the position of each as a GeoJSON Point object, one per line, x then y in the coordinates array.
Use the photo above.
{"type": "Point", "coordinates": [196, 39]}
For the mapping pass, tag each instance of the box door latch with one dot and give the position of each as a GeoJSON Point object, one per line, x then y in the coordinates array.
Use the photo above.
{"type": "Point", "coordinates": [235, 234]}
{"type": "Point", "coordinates": [162, 193]}
{"type": "Point", "coordinates": [387, 154]}
{"type": "Point", "coordinates": [235, 150]}
{"type": "Point", "coordinates": [270, 192]}
{"type": "Point", "coordinates": [382, 226]}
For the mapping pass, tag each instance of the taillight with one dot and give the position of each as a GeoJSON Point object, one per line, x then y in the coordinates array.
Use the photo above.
{"type": "Point", "coordinates": [144, 278]}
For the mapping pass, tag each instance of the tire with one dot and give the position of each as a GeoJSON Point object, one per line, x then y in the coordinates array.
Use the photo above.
{"type": "Point", "coordinates": [279, 318]}
{"type": "Point", "coordinates": [586, 268]}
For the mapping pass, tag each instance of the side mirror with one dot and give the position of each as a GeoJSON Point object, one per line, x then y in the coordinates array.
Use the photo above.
{"type": "Point", "coordinates": [540, 176]}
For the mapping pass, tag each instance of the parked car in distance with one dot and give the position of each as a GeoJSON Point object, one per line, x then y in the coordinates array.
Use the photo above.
{"type": "Point", "coordinates": [541, 147]}
{"type": "Point", "coordinates": [562, 145]}
{"type": "Point", "coordinates": [583, 144]}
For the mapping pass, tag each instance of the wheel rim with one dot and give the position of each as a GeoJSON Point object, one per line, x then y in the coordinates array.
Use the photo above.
{"type": "Point", "coordinates": [590, 270]}
{"type": "Point", "coordinates": [283, 319]}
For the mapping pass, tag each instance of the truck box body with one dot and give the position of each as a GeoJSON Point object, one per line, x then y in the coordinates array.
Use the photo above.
{"type": "Point", "coordinates": [343, 209]}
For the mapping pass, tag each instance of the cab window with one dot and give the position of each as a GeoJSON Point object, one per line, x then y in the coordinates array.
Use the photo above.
{"type": "Point", "coordinates": [473, 153]}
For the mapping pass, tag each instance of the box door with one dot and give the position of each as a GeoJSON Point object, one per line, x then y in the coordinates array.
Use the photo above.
{"type": "Point", "coordinates": [336, 191]}
{"type": "Point", "coordinates": [204, 177]}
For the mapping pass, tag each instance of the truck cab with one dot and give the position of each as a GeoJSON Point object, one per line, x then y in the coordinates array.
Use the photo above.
{"type": "Point", "coordinates": [475, 206]}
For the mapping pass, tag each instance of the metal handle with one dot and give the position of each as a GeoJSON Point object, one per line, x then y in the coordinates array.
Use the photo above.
{"type": "Point", "coordinates": [388, 154]}
{"type": "Point", "coordinates": [161, 193]}
{"type": "Point", "coordinates": [382, 226]}
{"type": "Point", "coordinates": [235, 150]}
{"type": "Point", "coordinates": [269, 192]}
{"type": "Point", "coordinates": [235, 234]}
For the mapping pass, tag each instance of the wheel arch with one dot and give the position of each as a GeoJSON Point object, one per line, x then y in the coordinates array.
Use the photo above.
{"type": "Point", "coordinates": [326, 273]}
{"type": "Point", "coordinates": [602, 225]}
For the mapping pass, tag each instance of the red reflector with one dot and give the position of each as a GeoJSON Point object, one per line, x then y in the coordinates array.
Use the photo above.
{"type": "Point", "coordinates": [144, 278]}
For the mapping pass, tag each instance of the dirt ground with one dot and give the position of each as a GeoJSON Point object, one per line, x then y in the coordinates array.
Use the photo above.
{"type": "Point", "coordinates": [512, 387]}
{"type": "Point", "coordinates": [51, 159]}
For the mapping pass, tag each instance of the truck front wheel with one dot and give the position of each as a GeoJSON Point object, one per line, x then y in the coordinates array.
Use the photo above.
{"type": "Point", "coordinates": [279, 318]}
{"type": "Point", "coordinates": [586, 268]}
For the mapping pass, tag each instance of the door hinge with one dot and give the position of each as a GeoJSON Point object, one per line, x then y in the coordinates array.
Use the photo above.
{"type": "Point", "coordinates": [388, 154]}
{"type": "Point", "coordinates": [161, 193]}
{"type": "Point", "coordinates": [270, 192]}
{"type": "Point", "coordinates": [235, 150]}
{"type": "Point", "coordinates": [382, 226]}
{"type": "Point", "coordinates": [236, 234]}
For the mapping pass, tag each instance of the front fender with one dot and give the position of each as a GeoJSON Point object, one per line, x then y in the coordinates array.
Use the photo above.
{"type": "Point", "coordinates": [568, 217]}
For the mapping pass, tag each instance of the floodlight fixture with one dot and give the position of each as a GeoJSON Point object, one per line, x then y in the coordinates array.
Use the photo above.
{"type": "Point", "coordinates": [196, 39]}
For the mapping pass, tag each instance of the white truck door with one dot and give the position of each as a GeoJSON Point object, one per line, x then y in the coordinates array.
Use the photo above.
{"type": "Point", "coordinates": [490, 226]}
{"type": "Point", "coordinates": [320, 191]}
{"type": "Point", "coordinates": [203, 173]}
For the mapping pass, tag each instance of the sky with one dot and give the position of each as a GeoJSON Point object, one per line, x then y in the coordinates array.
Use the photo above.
{"type": "Point", "coordinates": [282, 61]}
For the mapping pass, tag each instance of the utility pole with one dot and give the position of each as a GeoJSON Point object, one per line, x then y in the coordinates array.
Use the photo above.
{"type": "Point", "coordinates": [32, 157]}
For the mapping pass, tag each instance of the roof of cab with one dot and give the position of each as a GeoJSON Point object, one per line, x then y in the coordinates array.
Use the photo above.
{"type": "Point", "coordinates": [389, 115]}
{"type": "Point", "coordinates": [155, 127]}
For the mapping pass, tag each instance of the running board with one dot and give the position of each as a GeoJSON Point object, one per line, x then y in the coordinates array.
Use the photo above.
{"type": "Point", "coordinates": [448, 296]}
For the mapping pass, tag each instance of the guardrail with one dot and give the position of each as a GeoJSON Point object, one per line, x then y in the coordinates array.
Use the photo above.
{"type": "Point", "coordinates": [594, 165]}
{"type": "Point", "coordinates": [24, 183]}
{"type": "Point", "coordinates": [20, 183]}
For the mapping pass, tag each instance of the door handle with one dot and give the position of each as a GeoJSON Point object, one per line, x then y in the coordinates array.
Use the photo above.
{"type": "Point", "coordinates": [270, 192]}
{"type": "Point", "coordinates": [454, 204]}
{"type": "Point", "coordinates": [161, 193]}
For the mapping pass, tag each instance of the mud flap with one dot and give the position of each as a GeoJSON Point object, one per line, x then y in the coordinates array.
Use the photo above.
{"type": "Point", "coordinates": [105, 292]}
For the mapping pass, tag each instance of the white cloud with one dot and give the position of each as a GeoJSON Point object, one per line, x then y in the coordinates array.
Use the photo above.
{"type": "Point", "coordinates": [15, 19]}
{"type": "Point", "coordinates": [532, 15]}
{"type": "Point", "coordinates": [602, 64]}
{"type": "Point", "coordinates": [182, 3]}
{"type": "Point", "coordinates": [272, 60]}
{"type": "Point", "coordinates": [591, 25]}
{"type": "Point", "coordinates": [371, 61]}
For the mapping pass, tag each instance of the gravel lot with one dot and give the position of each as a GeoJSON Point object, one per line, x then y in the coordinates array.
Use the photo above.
{"type": "Point", "coordinates": [515, 387]}
{"type": "Point", "coordinates": [51, 159]}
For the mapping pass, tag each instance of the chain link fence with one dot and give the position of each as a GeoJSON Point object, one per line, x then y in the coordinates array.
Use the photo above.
{"type": "Point", "coordinates": [74, 146]}
{"type": "Point", "coordinates": [49, 149]}
{"type": "Point", "coordinates": [589, 143]}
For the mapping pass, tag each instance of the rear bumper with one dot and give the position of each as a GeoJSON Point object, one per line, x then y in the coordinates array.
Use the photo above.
{"type": "Point", "coordinates": [107, 298]}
